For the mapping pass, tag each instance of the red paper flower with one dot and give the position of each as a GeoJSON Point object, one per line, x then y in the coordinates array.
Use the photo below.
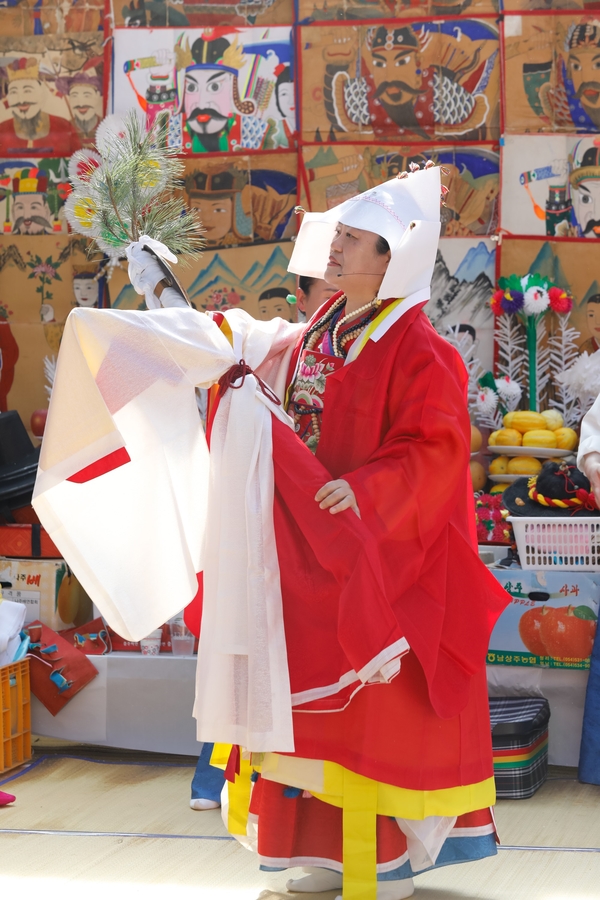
{"type": "Point", "coordinates": [496, 303]}
{"type": "Point", "coordinates": [560, 301]}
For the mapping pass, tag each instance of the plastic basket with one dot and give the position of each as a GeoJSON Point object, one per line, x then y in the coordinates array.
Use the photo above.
{"type": "Point", "coordinates": [15, 715]}
{"type": "Point", "coordinates": [561, 544]}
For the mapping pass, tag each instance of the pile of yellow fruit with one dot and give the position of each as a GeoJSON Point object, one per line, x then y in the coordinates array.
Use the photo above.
{"type": "Point", "coordinates": [524, 428]}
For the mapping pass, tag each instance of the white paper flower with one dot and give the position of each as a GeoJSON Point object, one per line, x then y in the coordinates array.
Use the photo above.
{"type": "Point", "coordinates": [509, 391]}
{"type": "Point", "coordinates": [487, 401]}
{"type": "Point", "coordinates": [535, 301]}
{"type": "Point", "coordinates": [582, 379]}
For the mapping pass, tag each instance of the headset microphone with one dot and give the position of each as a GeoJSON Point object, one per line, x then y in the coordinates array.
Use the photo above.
{"type": "Point", "coordinates": [348, 274]}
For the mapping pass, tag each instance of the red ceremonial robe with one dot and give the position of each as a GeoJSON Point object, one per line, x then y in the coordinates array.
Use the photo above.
{"type": "Point", "coordinates": [396, 427]}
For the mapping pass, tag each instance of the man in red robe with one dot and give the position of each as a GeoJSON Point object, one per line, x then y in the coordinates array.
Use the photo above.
{"type": "Point", "coordinates": [379, 398]}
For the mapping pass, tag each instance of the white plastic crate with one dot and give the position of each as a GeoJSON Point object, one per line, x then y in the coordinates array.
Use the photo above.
{"type": "Point", "coordinates": [567, 544]}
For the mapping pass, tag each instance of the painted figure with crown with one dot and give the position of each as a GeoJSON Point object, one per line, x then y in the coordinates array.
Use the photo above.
{"type": "Point", "coordinates": [326, 543]}
{"type": "Point", "coordinates": [30, 128]}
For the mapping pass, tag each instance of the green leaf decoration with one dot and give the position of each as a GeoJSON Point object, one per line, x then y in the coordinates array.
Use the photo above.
{"type": "Point", "coordinates": [134, 192]}
{"type": "Point", "coordinates": [584, 612]}
{"type": "Point", "coordinates": [487, 380]}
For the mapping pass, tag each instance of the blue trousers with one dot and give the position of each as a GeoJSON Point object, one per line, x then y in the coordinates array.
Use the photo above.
{"type": "Point", "coordinates": [589, 757]}
{"type": "Point", "coordinates": [208, 781]}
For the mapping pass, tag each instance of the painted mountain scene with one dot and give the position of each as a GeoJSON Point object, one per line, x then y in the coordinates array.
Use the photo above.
{"type": "Point", "coordinates": [251, 278]}
{"type": "Point", "coordinates": [461, 287]}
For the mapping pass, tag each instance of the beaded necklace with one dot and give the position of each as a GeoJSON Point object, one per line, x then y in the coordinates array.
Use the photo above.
{"type": "Point", "coordinates": [332, 322]}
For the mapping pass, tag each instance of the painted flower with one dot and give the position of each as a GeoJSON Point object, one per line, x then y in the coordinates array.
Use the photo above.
{"type": "Point", "coordinates": [44, 269]}
{"type": "Point", "coordinates": [535, 300]}
{"type": "Point", "coordinates": [560, 301]}
{"type": "Point", "coordinates": [512, 301]}
{"type": "Point", "coordinates": [487, 401]}
{"type": "Point", "coordinates": [496, 303]}
{"type": "Point", "coordinates": [508, 390]}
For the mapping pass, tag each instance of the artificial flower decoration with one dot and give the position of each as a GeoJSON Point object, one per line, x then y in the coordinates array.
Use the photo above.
{"type": "Point", "coordinates": [490, 520]}
{"type": "Point", "coordinates": [535, 301]}
{"type": "Point", "coordinates": [487, 401]}
{"type": "Point", "coordinates": [512, 302]}
{"type": "Point", "coordinates": [496, 303]}
{"type": "Point", "coordinates": [528, 299]}
{"type": "Point", "coordinates": [509, 391]}
{"type": "Point", "coordinates": [560, 302]}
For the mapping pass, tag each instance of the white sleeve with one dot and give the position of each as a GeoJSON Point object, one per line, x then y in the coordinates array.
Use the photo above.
{"type": "Point", "coordinates": [589, 441]}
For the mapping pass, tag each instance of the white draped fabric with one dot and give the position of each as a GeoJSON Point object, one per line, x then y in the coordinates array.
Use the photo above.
{"type": "Point", "coordinates": [126, 381]}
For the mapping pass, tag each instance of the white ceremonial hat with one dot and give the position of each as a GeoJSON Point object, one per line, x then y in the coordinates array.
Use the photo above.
{"type": "Point", "coordinates": [404, 210]}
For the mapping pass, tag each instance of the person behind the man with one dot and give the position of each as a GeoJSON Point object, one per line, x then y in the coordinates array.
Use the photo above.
{"type": "Point", "coordinates": [311, 294]}
{"type": "Point", "coordinates": [30, 128]}
{"type": "Point", "coordinates": [29, 209]}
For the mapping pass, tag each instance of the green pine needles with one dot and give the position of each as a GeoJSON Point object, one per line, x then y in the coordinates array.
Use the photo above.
{"type": "Point", "coordinates": [127, 189]}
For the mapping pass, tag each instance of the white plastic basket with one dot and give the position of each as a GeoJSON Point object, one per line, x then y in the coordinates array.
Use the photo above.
{"type": "Point", "coordinates": [562, 544]}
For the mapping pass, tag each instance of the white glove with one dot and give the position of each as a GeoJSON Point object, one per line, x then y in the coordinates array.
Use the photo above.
{"type": "Point", "coordinates": [145, 272]}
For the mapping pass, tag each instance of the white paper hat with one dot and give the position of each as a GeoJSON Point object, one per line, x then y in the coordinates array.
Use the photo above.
{"type": "Point", "coordinates": [405, 211]}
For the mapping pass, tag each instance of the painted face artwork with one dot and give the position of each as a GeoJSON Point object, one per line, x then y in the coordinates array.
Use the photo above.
{"type": "Point", "coordinates": [586, 206]}
{"type": "Point", "coordinates": [85, 102]}
{"type": "Point", "coordinates": [286, 101]}
{"type": "Point", "coordinates": [25, 98]}
{"type": "Point", "coordinates": [593, 320]}
{"type": "Point", "coordinates": [31, 214]}
{"type": "Point", "coordinates": [208, 100]}
{"type": "Point", "coordinates": [216, 216]}
{"type": "Point", "coordinates": [397, 75]}
{"type": "Point", "coordinates": [584, 71]}
{"type": "Point", "coordinates": [86, 291]}
{"type": "Point", "coordinates": [272, 307]}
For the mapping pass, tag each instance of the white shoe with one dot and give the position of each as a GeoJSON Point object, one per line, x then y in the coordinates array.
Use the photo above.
{"type": "Point", "coordinates": [315, 881]}
{"type": "Point", "coordinates": [201, 803]}
{"type": "Point", "coordinates": [393, 890]}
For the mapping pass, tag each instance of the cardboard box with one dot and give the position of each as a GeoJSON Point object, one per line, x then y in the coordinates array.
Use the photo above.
{"type": "Point", "coordinates": [48, 589]}
{"type": "Point", "coordinates": [551, 621]}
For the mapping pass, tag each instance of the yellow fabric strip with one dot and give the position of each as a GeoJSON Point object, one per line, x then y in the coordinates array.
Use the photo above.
{"type": "Point", "coordinates": [220, 755]}
{"type": "Point", "coordinates": [409, 804]}
{"type": "Point", "coordinates": [362, 340]}
{"type": "Point", "coordinates": [239, 799]}
{"type": "Point", "coordinates": [359, 830]}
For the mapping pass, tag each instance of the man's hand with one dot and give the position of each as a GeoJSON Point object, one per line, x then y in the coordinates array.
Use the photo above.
{"type": "Point", "coordinates": [591, 466]}
{"type": "Point", "coordinates": [337, 496]}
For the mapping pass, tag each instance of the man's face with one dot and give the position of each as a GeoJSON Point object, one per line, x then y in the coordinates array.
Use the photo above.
{"type": "Point", "coordinates": [24, 97]}
{"type": "Point", "coordinates": [85, 102]}
{"type": "Point", "coordinates": [584, 70]}
{"type": "Point", "coordinates": [396, 72]}
{"type": "Point", "coordinates": [216, 216]}
{"type": "Point", "coordinates": [208, 100]}
{"type": "Point", "coordinates": [31, 214]}
{"type": "Point", "coordinates": [86, 291]}
{"type": "Point", "coordinates": [277, 306]}
{"type": "Point", "coordinates": [586, 203]}
{"type": "Point", "coordinates": [287, 100]}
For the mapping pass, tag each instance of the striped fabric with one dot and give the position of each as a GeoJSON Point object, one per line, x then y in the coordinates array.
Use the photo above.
{"type": "Point", "coordinates": [519, 744]}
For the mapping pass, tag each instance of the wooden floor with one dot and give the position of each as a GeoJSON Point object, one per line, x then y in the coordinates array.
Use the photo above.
{"type": "Point", "coordinates": [106, 828]}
